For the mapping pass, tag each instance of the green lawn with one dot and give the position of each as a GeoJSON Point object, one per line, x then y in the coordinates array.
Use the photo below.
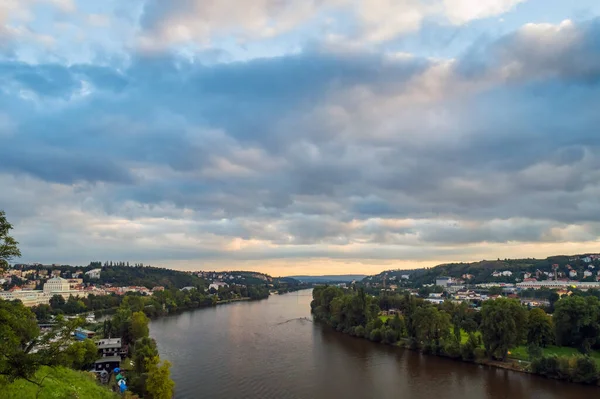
{"type": "Point", "coordinates": [520, 352]}
{"type": "Point", "coordinates": [384, 318]}
{"type": "Point", "coordinates": [59, 383]}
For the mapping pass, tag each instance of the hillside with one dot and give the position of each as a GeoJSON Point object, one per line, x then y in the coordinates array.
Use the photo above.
{"type": "Point", "coordinates": [343, 278]}
{"type": "Point", "coordinates": [59, 382]}
{"type": "Point", "coordinates": [479, 272]}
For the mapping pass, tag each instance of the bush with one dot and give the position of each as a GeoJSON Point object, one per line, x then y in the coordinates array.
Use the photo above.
{"type": "Point", "coordinates": [467, 351]}
{"type": "Point", "coordinates": [534, 351]}
{"type": "Point", "coordinates": [547, 366]}
{"type": "Point", "coordinates": [390, 336]}
{"type": "Point", "coordinates": [585, 371]}
{"type": "Point", "coordinates": [452, 349]}
{"type": "Point", "coordinates": [359, 331]}
{"type": "Point", "coordinates": [376, 335]}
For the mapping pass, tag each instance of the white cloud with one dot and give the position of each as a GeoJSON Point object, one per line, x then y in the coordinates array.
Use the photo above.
{"type": "Point", "coordinates": [460, 12]}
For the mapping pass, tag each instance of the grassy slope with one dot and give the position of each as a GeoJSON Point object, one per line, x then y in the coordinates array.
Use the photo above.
{"type": "Point", "coordinates": [60, 383]}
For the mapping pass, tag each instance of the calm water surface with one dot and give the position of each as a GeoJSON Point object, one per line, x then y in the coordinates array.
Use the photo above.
{"type": "Point", "coordinates": [271, 349]}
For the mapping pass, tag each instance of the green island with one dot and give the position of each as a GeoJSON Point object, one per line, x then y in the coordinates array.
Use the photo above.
{"type": "Point", "coordinates": [502, 333]}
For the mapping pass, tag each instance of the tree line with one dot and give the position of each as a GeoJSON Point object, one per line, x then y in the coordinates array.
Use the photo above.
{"type": "Point", "coordinates": [457, 331]}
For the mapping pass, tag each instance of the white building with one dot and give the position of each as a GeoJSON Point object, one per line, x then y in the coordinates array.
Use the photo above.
{"type": "Point", "coordinates": [587, 273]}
{"type": "Point", "coordinates": [443, 281]}
{"type": "Point", "coordinates": [29, 298]}
{"type": "Point", "coordinates": [94, 273]}
{"type": "Point", "coordinates": [587, 259]}
{"type": "Point", "coordinates": [405, 276]}
{"type": "Point", "coordinates": [573, 273]}
{"type": "Point", "coordinates": [559, 284]}
{"type": "Point", "coordinates": [56, 284]}
{"type": "Point", "coordinates": [61, 286]}
{"type": "Point", "coordinates": [216, 285]}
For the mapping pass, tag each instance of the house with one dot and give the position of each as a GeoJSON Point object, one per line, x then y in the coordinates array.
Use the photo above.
{"type": "Point", "coordinates": [443, 281]}
{"type": "Point", "coordinates": [573, 273]}
{"type": "Point", "coordinates": [187, 288]}
{"type": "Point", "coordinates": [158, 288]}
{"type": "Point", "coordinates": [216, 284]}
{"type": "Point", "coordinates": [94, 273]}
{"type": "Point", "coordinates": [111, 347]}
{"type": "Point", "coordinates": [405, 277]}
{"type": "Point", "coordinates": [467, 276]}
{"type": "Point", "coordinates": [108, 363]}
{"type": "Point", "coordinates": [526, 276]}
{"type": "Point", "coordinates": [587, 273]}
{"type": "Point", "coordinates": [587, 259]}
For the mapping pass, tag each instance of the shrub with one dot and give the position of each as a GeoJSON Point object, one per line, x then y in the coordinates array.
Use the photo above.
{"type": "Point", "coordinates": [390, 336]}
{"type": "Point", "coordinates": [359, 331]}
{"type": "Point", "coordinates": [452, 349]}
{"type": "Point", "coordinates": [376, 335]}
{"type": "Point", "coordinates": [585, 370]}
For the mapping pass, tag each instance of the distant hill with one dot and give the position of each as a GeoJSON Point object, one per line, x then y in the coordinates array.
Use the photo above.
{"type": "Point", "coordinates": [342, 278]}
{"type": "Point", "coordinates": [481, 271]}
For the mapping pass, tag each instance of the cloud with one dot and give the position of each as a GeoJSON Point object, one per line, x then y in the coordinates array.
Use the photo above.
{"type": "Point", "coordinates": [355, 155]}
{"type": "Point", "coordinates": [201, 22]}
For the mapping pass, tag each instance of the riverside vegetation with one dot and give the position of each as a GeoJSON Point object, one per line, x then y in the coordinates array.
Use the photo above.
{"type": "Point", "coordinates": [563, 346]}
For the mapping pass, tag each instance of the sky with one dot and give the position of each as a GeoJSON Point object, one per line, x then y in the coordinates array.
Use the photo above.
{"type": "Point", "coordinates": [300, 137]}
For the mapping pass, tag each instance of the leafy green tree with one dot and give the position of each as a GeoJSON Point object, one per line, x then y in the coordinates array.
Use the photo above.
{"type": "Point", "coordinates": [502, 326]}
{"type": "Point", "coordinates": [8, 245]}
{"type": "Point", "coordinates": [78, 355]}
{"type": "Point", "coordinates": [57, 302]}
{"type": "Point", "coordinates": [18, 332]}
{"type": "Point", "coordinates": [139, 326]}
{"type": "Point", "coordinates": [159, 384]}
{"type": "Point", "coordinates": [539, 328]}
{"type": "Point", "coordinates": [577, 322]}
{"type": "Point", "coordinates": [432, 326]}
{"type": "Point", "coordinates": [496, 290]}
{"type": "Point", "coordinates": [143, 350]}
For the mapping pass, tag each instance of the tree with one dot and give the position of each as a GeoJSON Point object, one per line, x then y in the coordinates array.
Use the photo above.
{"type": "Point", "coordinates": [57, 302]}
{"type": "Point", "coordinates": [502, 326]}
{"type": "Point", "coordinates": [143, 350]}
{"type": "Point", "coordinates": [78, 355]}
{"type": "Point", "coordinates": [432, 326]}
{"type": "Point", "coordinates": [539, 328]}
{"type": "Point", "coordinates": [19, 331]}
{"type": "Point", "coordinates": [496, 290]}
{"type": "Point", "coordinates": [576, 322]}
{"type": "Point", "coordinates": [159, 384]}
{"type": "Point", "coordinates": [8, 245]}
{"type": "Point", "coordinates": [139, 326]}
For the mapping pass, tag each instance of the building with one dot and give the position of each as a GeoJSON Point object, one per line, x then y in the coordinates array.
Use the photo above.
{"type": "Point", "coordinates": [573, 273]}
{"type": "Point", "coordinates": [107, 363]}
{"type": "Point", "coordinates": [443, 281]}
{"type": "Point", "coordinates": [56, 284]}
{"type": "Point", "coordinates": [111, 347]}
{"type": "Point", "coordinates": [94, 273]}
{"type": "Point", "coordinates": [557, 284]}
{"type": "Point", "coordinates": [61, 286]}
{"type": "Point", "coordinates": [29, 298]}
{"type": "Point", "coordinates": [216, 284]}
{"type": "Point", "coordinates": [587, 273]}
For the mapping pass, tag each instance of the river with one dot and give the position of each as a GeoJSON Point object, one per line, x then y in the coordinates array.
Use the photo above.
{"type": "Point", "coordinates": [271, 349]}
